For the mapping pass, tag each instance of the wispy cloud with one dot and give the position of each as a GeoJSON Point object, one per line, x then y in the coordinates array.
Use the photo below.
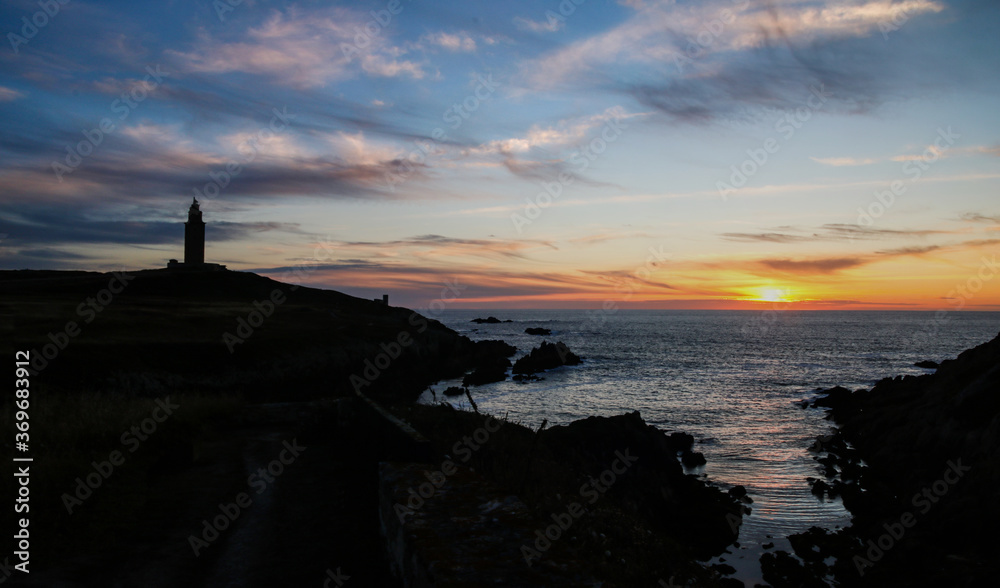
{"type": "Point", "coordinates": [834, 264]}
{"type": "Point", "coordinates": [933, 152]}
{"type": "Point", "coordinates": [300, 49]}
{"type": "Point", "coordinates": [843, 161]}
{"type": "Point", "coordinates": [48, 226]}
{"type": "Point", "coordinates": [550, 25]}
{"type": "Point", "coordinates": [813, 266]}
{"type": "Point", "coordinates": [849, 231]}
{"type": "Point", "coordinates": [697, 63]}
{"type": "Point", "coordinates": [460, 41]}
{"type": "Point", "coordinates": [9, 94]}
{"type": "Point", "coordinates": [440, 247]}
{"type": "Point", "coordinates": [662, 29]}
{"type": "Point", "coordinates": [830, 232]}
{"type": "Point", "coordinates": [565, 133]}
{"type": "Point", "coordinates": [768, 237]}
{"type": "Point", "coordinates": [920, 250]}
{"type": "Point", "coordinates": [977, 217]}
{"type": "Point", "coordinates": [542, 152]}
{"type": "Point", "coordinates": [604, 237]}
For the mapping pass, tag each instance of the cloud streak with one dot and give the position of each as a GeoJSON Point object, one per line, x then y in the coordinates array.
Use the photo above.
{"type": "Point", "coordinates": [302, 50]}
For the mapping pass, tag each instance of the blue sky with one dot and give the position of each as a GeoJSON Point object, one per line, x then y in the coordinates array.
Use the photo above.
{"type": "Point", "coordinates": [727, 154]}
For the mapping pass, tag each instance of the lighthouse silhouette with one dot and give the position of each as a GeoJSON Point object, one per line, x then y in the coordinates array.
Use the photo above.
{"type": "Point", "coordinates": [194, 236]}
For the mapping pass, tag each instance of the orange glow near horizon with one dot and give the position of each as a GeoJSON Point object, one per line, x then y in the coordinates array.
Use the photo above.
{"type": "Point", "coordinates": [959, 279]}
{"type": "Point", "coordinates": [586, 180]}
{"type": "Point", "coordinates": [773, 295]}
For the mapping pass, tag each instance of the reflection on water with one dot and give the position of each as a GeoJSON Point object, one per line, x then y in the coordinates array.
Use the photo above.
{"type": "Point", "coordinates": [734, 388]}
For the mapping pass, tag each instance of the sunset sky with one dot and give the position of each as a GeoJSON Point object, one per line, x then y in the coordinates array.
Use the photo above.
{"type": "Point", "coordinates": [546, 154]}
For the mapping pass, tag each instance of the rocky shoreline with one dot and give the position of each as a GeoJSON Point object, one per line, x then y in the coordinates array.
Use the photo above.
{"type": "Point", "coordinates": [916, 460]}
{"type": "Point", "coordinates": [627, 512]}
{"type": "Point", "coordinates": [170, 331]}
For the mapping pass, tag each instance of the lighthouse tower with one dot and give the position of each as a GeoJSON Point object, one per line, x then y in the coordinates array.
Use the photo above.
{"type": "Point", "coordinates": [194, 236]}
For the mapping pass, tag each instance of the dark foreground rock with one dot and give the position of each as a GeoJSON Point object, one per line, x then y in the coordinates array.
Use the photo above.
{"type": "Point", "coordinates": [683, 446]}
{"type": "Point", "coordinates": [639, 519]}
{"type": "Point", "coordinates": [836, 396]}
{"type": "Point", "coordinates": [917, 461]}
{"type": "Point", "coordinates": [488, 373]}
{"type": "Point", "coordinates": [490, 363]}
{"type": "Point", "coordinates": [545, 357]}
{"type": "Point", "coordinates": [655, 487]}
{"type": "Point", "coordinates": [320, 515]}
{"type": "Point", "coordinates": [927, 364]}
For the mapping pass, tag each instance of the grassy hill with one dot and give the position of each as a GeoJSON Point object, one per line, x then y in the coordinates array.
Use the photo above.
{"type": "Point", "coordinates": [147, 332]}
{"type": "Point", "coordinates": [110, 351]}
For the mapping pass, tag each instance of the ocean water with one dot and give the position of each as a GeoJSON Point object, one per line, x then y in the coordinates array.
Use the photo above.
{"type": "Point", "coordinates": [730, 378]}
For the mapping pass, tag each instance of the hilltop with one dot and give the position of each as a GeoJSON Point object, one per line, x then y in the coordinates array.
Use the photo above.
{"type": "Point", "coordinates": [152, 331]}
{"type": "Point", "coordinates": [130, 495]}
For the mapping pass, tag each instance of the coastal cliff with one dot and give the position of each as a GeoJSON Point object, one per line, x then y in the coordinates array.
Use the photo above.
{"type": "Point", "coordinates": [253, 367]}
{"type": "Point", "coordinates": [917, 462]}
{"type": "Point", "coordinates": [149, 332]}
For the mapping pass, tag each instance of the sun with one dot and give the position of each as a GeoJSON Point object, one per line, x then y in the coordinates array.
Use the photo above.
{"type": "Point", "coordinates": [773, 295]}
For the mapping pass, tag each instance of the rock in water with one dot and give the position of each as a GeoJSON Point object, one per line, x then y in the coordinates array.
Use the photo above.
{"type": "Point", "coordinates": [488, 373]}
{"type": "Point", "coordinates": [491, 320]}
{"type": "Point", "coordinates": [545, 357]}
{"type": "Point", "coordinates": [693, 459]}
{"type": "Point", "coordinates": [537, 331]}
